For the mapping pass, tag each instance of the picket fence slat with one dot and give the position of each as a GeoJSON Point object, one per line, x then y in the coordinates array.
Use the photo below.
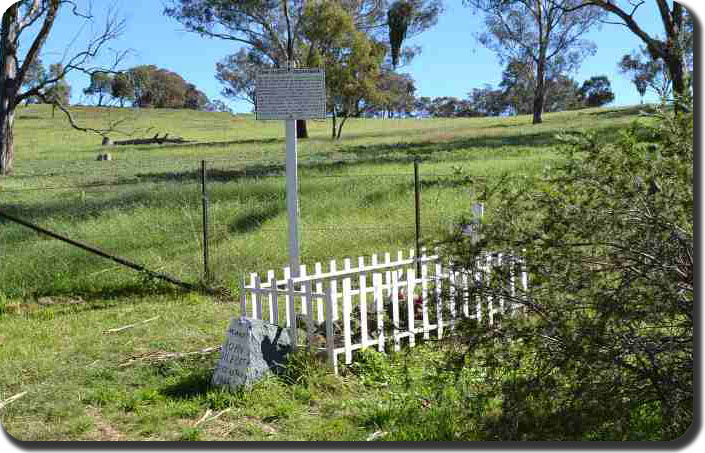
{"type": "Point", "coordinates": [379, 308]}
{"type": "Point", "coordinates": [309, 319]}
{"type": "Point", "coordinates": [304, 301]}
{"type": "Point", "coordinates": [318, 269]}
{"type": "Point", "coordinates": [275, 302]}
{"type": "Point", "coordinates": [410, 308]}
{"type": "Point", "coordinates": [395, 310]}
{"type": "Point", "coordinates": [258, 299]}
{"type": "Point", "coordinates": [270, 297]}
{"type": "Point", "coordinates": [347, 310]}
{"type": "Point", "coordinates": [424, 299]}
{"type": "Point", "coordinates": [334, 291]}
{"type": "Point", "coordinates": [330, 339]}
{"type": "Point", "coordinates": [287, 297]}
{"type": "Point", "coordinates": [363, 300]}
{"type": "Point", "coordinates": [403, 295]}
{"type": "Point", "coordinates": [439, 297]}
{"type": "Point", "coordinates": [292, 313]}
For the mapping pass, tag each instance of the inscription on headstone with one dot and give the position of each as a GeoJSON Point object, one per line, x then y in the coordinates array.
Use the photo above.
{"type": "Point", "coordinates": [253, 349]}
{"type": "Point", "coordinates": [284, 94]}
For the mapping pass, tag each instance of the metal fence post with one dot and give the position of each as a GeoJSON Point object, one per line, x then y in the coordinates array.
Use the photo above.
{"type": "Point", "coordinates": [206, 254]}
{"type": "Point", "coordinates": [417, 192]}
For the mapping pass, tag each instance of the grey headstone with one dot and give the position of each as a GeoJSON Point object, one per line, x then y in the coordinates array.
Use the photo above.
{"type": "Point", "coordinates": [253, 349]}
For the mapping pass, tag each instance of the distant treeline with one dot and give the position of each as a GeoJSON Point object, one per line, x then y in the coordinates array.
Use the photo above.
{"type": "Point", "coordinates": [145, 86]}
{"type": "Point", "coordinates": [514, 96]}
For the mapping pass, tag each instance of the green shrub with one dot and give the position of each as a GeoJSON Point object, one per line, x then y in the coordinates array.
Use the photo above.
{"type": "Point", "coordinates": [605, 344]}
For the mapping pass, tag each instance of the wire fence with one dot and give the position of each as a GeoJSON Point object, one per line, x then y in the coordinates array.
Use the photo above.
{"type": "Point", "coordinates": [212, 219]}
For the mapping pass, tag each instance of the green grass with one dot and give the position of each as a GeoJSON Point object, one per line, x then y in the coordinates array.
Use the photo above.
{"type": "Point", "coordinates": [357, 198]}
{"type": "Point", "coordinates": [356, 194]}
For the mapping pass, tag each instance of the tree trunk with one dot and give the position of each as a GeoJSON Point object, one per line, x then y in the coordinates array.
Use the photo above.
{"type": "Point", "coordinates": [6, 142]}
{"type": "Point", "coordinates": [301, 129]}
{"type": "Point", "coordinates": [8, 87]}
{"type": "Point", "coordinates": [340, 128]}
{"type": "Point", "coordinates": [540, 93]}
{"type": "Point", "coordinates": [675, 69]}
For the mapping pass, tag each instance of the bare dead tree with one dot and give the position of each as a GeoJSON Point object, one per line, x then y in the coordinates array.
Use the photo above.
{"type": "Point", "coordinates": [18, 18]}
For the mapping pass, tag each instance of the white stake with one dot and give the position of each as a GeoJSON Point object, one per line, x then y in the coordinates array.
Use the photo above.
{"type": "Point", "coordinates": [292, 196]}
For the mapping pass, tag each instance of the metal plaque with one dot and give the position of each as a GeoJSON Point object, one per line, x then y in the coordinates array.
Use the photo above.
{"type": "Point", "coordinates": [291, 94]}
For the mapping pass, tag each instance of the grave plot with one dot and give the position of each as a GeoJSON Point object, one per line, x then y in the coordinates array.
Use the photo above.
{"type": "Point", "coordinates": [383, 303]}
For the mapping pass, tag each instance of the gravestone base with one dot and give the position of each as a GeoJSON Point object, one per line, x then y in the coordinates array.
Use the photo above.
{"type": "Point", "coordinates": [253, 349]}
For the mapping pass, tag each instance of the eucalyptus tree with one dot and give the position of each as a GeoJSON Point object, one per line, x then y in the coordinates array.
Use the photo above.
{"type": "Point", "coordinates": [541, 33]}
{"type": "Point", "coordinates": [101, 86]}
{"type": "Point", "coordinates": [123, 88]}
{"type": "Point", "coordinates": [238, 74]}
{"type": "Point", "coordinates": [646, 73]}
{"type": "Point", "coordinates": [58, 92]}
{"type": "Point", "coordinates": [675, 49]}
{"type": "Point", "coordinates": [273, 29]}
{"type": "Point", "coordinates": [353, 60]}
{"type": "Point", "coordinates": [596, 91]}
{"type": "Point", "coordinates": [36, 73]}
{"type": "Point", "coordinates": [29, 23]}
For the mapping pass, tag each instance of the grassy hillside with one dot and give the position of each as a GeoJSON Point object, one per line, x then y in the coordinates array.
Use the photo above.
{"type": "Point", "coordinates": [356, 198]}
{"type": "Point", "coordinates": [356, 194]}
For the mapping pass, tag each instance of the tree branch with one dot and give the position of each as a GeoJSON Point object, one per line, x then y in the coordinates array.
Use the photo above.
{"type": "Point", "coordinates": [113, 29]}
{"type": "Point", "coordinates": [42, 35]}
{"type": "Point", "coordinates": [72, 121]}
{"type": "Point", "coordinates": [31, 16]}
{"type": "Point", "coordinates": [629, 22]}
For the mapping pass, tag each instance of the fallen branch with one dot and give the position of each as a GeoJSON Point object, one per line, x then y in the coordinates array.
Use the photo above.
{"type": "Point", "coordinates": [376, 435]}
{"type": "Point", "coordinates": [160, 356]}
{"type": "Point", "coordinates": [219, 414]}
{"type": "Point", "coordinates": [130, 326]}
{"type": "Point", "coordinates": [11, 399]}
{"type": "Point", "coordinates": [151, 141]}
{"type": "Point", "coordinates": [201, 420]}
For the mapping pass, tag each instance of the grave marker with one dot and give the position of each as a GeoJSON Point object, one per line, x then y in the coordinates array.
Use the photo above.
{"type": "Point", "coordinates": [253, 349]}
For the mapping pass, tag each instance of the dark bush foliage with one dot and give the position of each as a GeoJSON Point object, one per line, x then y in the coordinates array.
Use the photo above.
{"type": "Point", "coordinates": [602, 346]}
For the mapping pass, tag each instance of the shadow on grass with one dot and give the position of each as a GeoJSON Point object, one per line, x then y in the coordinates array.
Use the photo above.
{"type": "Point", "coordinates": [619, 113]}
{"type": "Point", "coordinates": [388, 193]}
{"type": "Point", "coordinates": [252, 221]}
{"type": "Point", "coordinates": [127, 197]}
{"type": "Point", "coordinates": [74, 300]}
{"type": "Point", "coordinates": [539, 139]}
{"type": "Point", "coordinates": [264, 141]}
{"type": "Point", "coordinates": [196, 384]}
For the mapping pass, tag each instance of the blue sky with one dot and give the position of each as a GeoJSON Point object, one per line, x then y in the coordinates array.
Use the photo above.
{"type": "Point", "coordinates": [452, 62]}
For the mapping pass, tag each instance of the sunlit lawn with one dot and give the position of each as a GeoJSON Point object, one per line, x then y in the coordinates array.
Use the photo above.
{"type": "Point", "coordinates": [357, 198]}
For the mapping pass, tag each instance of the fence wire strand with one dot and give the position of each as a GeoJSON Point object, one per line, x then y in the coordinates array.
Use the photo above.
{"type": "Point", "coordinates": [152, 210]}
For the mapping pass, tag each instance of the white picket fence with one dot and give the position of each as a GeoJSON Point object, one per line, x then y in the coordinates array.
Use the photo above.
{"type": "Point", "coordinates": [371, 304]}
